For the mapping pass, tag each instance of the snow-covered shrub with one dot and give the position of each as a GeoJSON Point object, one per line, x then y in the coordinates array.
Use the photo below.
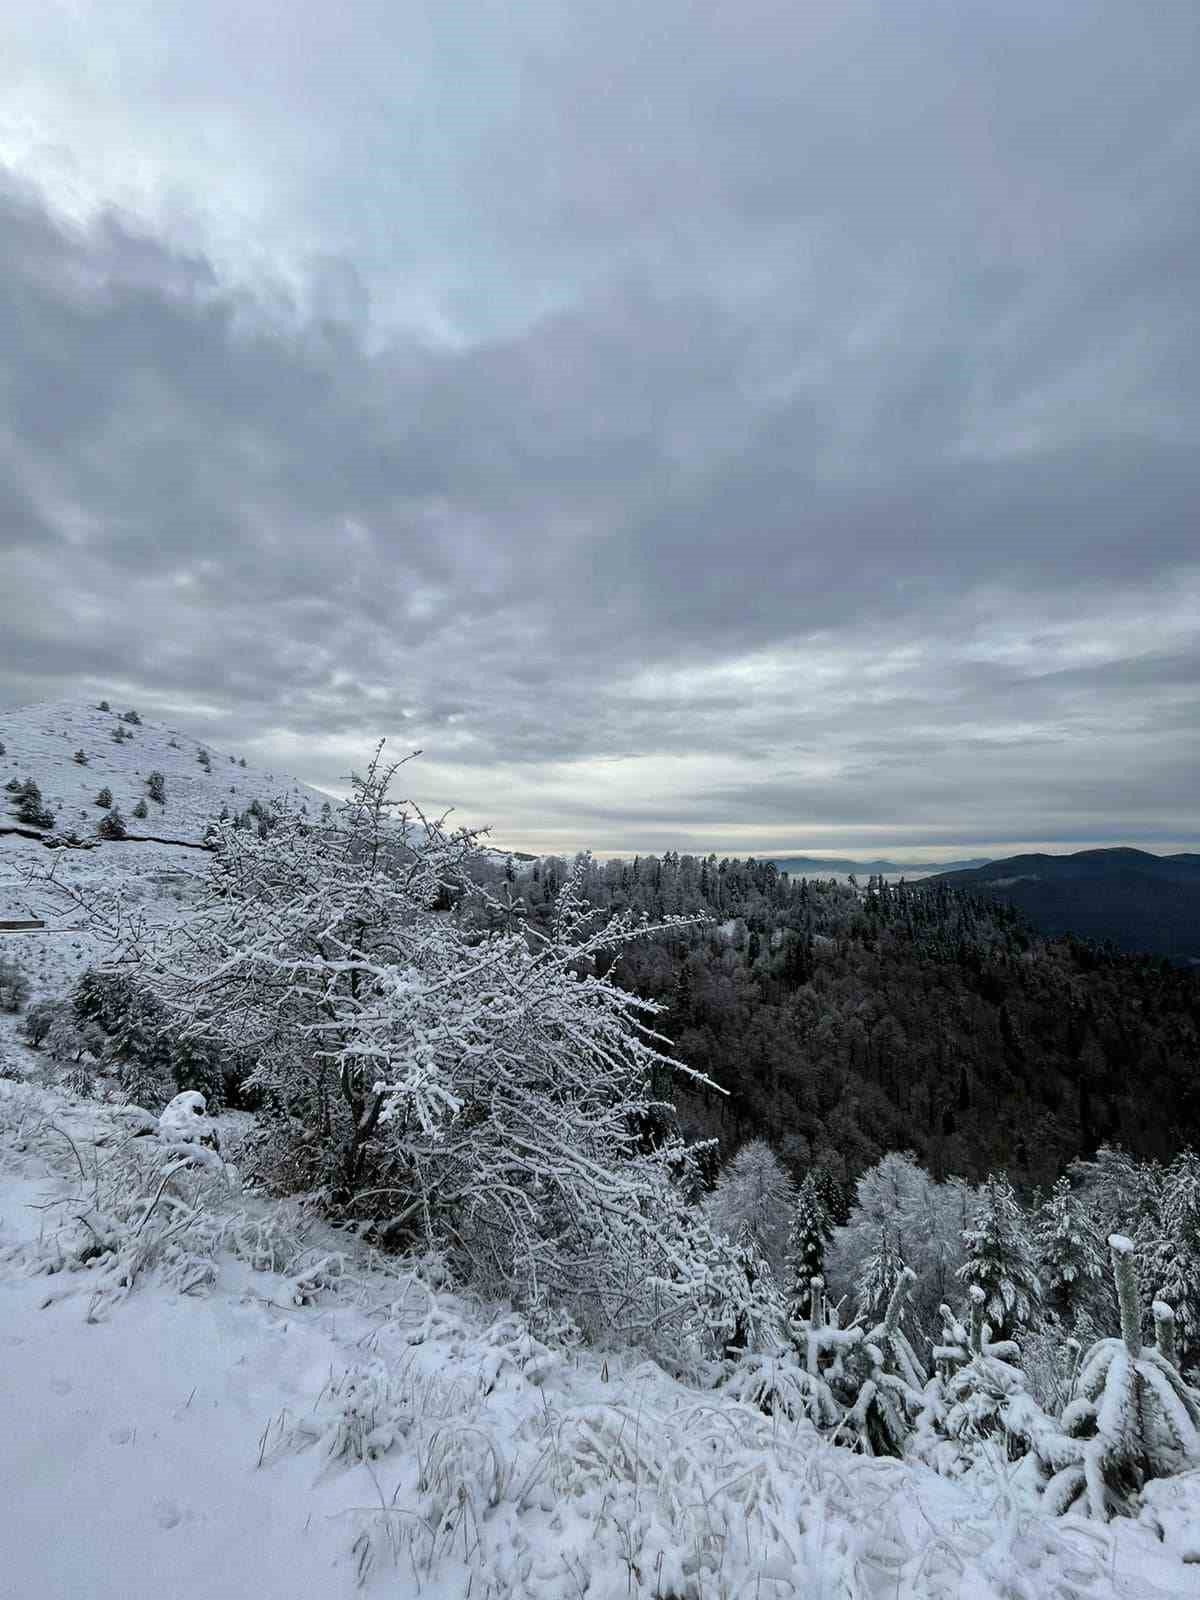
{"type": "Point", "coordinates": [112, 825]}
{"type": "Point", "coordinates": [14, 985]}
{"type": "Point", "coordinates": [38, 1021]}
{"type": "Point", "coordinates": [485, 1092]}
{"type": "Point", "coordinates": [185, 1120]}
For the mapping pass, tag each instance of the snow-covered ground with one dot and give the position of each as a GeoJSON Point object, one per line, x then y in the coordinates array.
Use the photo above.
{"type": "Point", "coordinates": [270, 1411]}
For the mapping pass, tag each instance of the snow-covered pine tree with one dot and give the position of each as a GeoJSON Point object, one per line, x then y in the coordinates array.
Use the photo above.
{"type": "Point", "coordinates": [1069, 1251]}
{"type": "Point", "coordinates": [877, 1276]}
{"type": "Point", "coordinates": [1172, 1252]}
{"type": "Point", "coordinates": [1133, 1417]}
{"type": "Point", "coordinates": [811, 1230]}
{"type": "Point", "coordinates": [112, 825]}
{"type": "Point", "coordinates": [754, 1198]}
{"type": "Point", "coordinates": [1000, 1259]}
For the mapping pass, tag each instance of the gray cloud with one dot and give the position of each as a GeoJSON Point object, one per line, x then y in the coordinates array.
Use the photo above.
{"type": "Point", "coordinates": [771, 430]}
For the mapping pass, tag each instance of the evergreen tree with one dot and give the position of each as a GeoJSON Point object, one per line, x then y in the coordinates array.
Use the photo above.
{"type": "Point", "coordinates": [879, 1274]}
{"type": "Point", "coordinates": [30, 807]}
{"type": "Point", "coordinates": [1173, 1254]}
{"type": "Point", "coordinates": [80, 758]}
{"type": "Point", "coordinates": [112, 825]}
{"type": "Point", "coordinates": [1070, 1252]}
{"type": "Point", "coordinates": [1000, 1259]}
{"type": "Point", "coordinates": [810, 1232]}
{"type": "Point", "coordinates": [141, 810]}
{"type": "Point", "coordinates": [156, 787]}
{"type": "Point", "coordinates": [105, 797]}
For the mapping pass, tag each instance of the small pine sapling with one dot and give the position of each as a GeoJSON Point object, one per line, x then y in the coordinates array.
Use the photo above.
{"type": "Point", "coordinates": [104, 798]}
{"type": "Point", "coordinates": [882, 1383]}
{"type": "Point", "coordinates": [112, 825]}
{"type": "Point", "coordinates": [80, 758]}
{"type": "Point", "coordinates": [1133, 1417]}
{"type": "Point", "coordinates": [141, 810]}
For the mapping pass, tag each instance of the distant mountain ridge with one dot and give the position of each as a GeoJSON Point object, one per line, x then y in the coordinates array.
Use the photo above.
{"type": "Point", "coordinates": [841, 866]}
{"type": "Point", "coordinates": [1129, 898]}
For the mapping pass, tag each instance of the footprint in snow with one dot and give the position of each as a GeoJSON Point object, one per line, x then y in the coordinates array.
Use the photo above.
{"type": "Point", "coordinates": [166, 1513]}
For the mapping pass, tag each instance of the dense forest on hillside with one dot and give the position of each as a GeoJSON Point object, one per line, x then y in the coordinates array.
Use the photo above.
{"type": "Point", "coordinates": [844, 1022]}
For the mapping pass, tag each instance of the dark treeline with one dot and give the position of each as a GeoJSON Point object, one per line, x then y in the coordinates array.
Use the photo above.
{"type": "Point", "coordinates": [845, 1022]}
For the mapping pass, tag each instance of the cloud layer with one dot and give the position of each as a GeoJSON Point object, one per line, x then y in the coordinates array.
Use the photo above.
{"type": "Point", "coordinates": [768, 428]}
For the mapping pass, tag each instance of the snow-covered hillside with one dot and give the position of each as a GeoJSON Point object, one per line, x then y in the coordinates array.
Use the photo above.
{"type": "Point", "coordinates": [207, 1395]}
{"type": "Point", "coordinates": [157, 868]}
{"type": "Point", "coordinates": [41, 741]}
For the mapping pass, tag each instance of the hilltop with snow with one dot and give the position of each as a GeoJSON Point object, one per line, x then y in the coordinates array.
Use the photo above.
{"type": "Point", "coordinates": [158, 867]}
{"type": "Point", "coordinates": [43, 742]}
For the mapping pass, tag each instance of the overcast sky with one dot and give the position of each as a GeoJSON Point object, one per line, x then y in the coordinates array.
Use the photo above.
{"type": "Point", "coordinates": [754, 426]}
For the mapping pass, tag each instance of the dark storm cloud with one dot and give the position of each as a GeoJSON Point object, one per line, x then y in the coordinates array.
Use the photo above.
{"type": "Point", "coordinates": [736, 420]}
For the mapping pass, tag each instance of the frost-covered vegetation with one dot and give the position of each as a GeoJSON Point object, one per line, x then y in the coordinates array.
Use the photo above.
{"type": "Point", "coordinates": [589, 1356]}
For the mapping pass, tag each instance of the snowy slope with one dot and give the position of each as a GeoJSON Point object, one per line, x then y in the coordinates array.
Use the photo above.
{"type": "Point", "coordinates": [270, 1412]}
{"type": "Point", "coordinates": [40, 742]}
{"type": "Point", "coordinates": [158, 878]}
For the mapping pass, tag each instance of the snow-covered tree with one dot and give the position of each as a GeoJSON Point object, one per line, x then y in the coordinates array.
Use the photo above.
{"type": "Point", "coordinates": [1172, 1252]}
{"type": "Point", "coordinates": [810, 1231]}
{"type": "Point", "coordinates": [112, 825]}
{"type": "Point", "coordinates": [925, 1219]}
{"type": "Point", "coordinates": [1132, 1418]}
{"type": "Point", "coordinates": [753, 1198]}
{"type": "Point", "coordinates": [1000, 1259]}
{"type": "Point", "coordinates": [486, 1094]}
{"type": "Point", "coordinates": [1124, 1194]}
{"type": "Point", "coordinates": [879, 1272]}
{"type": "Point", "coordinates": [1070, 1252]}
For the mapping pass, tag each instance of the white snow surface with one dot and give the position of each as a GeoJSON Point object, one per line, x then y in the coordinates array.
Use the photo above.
{"type": "Point", "coordinates": [316, 1420]}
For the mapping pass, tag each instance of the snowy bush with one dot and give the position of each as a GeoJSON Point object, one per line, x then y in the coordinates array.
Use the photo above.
{"type": "Point", "coordinates": [14, 985]}
{"type": "Point", "coordinates": [489, 1094]}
